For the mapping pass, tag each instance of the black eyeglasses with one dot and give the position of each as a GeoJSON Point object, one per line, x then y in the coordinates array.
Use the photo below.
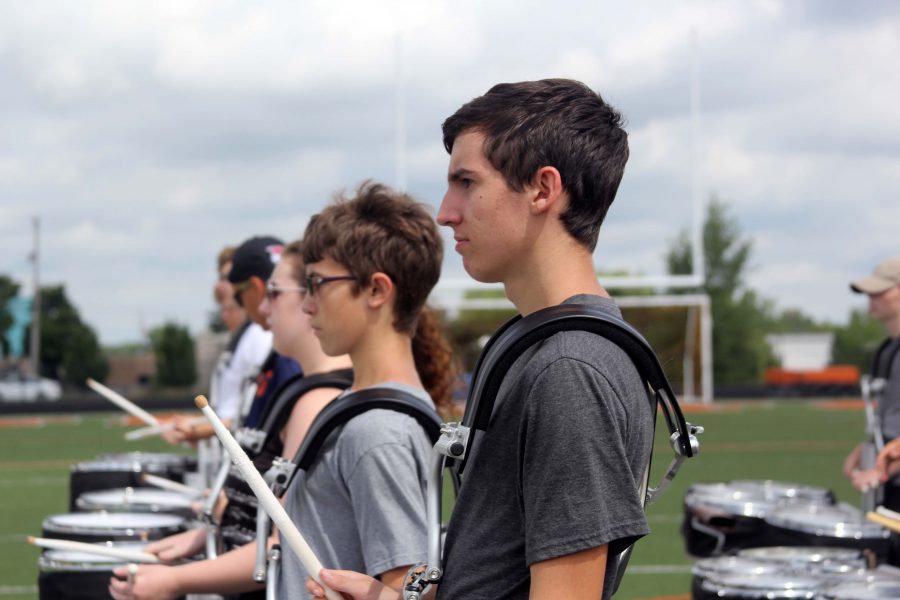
{"type": "Point", "coordinates": [315, 281]}
{"type": "Point", "coordinates": [240, 288]}
{"type": "Point", "coordinates": [273, 291]}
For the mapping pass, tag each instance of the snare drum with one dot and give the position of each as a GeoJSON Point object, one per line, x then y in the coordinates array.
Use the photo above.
{"type": "Point", "coordinates": [833, 526]}
{"type": "Point", "coordinates": [716, 567]}
{"type": "Point", "coordinates": [109, 471]}
{"type": "Point", "coordinates": [721, 517]}
{"type": "Point", "coordinates": [759, 587]}
{"type": "Point", "coordinates": [872, 590]}
{"type": "Point", "coordinates": [137, 500]}
{"type": "Point", "coordinates": [101, 526]}
{"type": "Point", "coordinates": [71, 575]}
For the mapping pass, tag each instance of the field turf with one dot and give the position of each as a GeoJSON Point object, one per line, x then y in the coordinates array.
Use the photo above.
{"type": "Point", "coordinates": [798, 441]}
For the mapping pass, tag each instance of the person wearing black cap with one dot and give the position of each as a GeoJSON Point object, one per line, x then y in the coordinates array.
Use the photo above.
{"type": "Point", "coordinates": [251, 267]}
{"type": "Point", "coordinates": [883, 289]}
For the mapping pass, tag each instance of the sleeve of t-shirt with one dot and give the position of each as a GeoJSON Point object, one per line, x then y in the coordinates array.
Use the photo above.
{"type": "Point", "coordinates": [577, 489]}
{"type": "Point", "coordinates": [388, 498]}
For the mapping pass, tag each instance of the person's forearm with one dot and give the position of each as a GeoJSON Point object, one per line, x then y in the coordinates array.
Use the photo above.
{"type": "Point", "coordinates": [228, 573]}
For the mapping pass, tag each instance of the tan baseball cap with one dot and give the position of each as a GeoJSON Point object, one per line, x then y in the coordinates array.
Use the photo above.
{"type": "Point", "coordinates": [885, 276]}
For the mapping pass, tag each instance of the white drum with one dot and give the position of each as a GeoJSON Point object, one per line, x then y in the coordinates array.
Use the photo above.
{"type": "Point", "coordinates": [71, 575]}
{"type": "Point", "coordinates": [137, 500]}
{"type": "Point", "coordinates": [102, 526]}
{"type": "Point", "coordinates": [834, 526]}
{"type": "Point", "coordinates": [873, 590]}
{"type": "Point", "coordinates": [759, 587]}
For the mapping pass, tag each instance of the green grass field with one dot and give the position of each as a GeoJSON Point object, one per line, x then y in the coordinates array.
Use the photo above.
{"type": "Point", "coordinates": [798, 441]}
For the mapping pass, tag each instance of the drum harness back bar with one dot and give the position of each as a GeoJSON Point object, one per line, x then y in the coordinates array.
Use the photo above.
{"type": "Point", "coordinates": [452, 448]}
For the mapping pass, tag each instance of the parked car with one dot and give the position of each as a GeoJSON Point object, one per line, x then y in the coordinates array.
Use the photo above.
{"type": "Point", "coordinates": [21, 387]}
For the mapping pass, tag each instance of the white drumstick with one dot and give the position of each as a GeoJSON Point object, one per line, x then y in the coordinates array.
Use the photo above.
{"type": "Point", "coordinates": [168, 484]}
{"type": "Point", "coordinates": [267, 499]}
{"type": "Point", "coordinates": [138, 434]}
{"type": "Point", "coordinates": [123, 403]}
{"type": "Point", "coordinates": [122, 553]}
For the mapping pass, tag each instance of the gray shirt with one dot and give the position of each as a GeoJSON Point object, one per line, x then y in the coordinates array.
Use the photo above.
{"type": "Point", "coordinates": [889, 404]}
{"type": "Point", "coordinates": [361, 506]}
{"type": "Point", "coordinates": [558, 469]}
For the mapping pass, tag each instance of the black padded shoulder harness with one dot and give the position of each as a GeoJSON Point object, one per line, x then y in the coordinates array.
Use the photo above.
{"type": "Point", "coordinates": [338, 412]}
{"type": "Point", "coordinates": [279, 410]}
{"type": "Point", "coordinates": [520, 333]}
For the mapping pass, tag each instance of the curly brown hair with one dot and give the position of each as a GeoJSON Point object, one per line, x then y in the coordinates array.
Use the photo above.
{"type": "Point", "coordinates": [435, 362]}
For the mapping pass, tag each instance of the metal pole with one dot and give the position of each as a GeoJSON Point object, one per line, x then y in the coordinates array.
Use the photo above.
{"type": "Point", "coordinates": [36, 302]}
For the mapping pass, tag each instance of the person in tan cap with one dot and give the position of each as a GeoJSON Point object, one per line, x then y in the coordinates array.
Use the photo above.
{"type": "Point", "coordinates": [883, 289]}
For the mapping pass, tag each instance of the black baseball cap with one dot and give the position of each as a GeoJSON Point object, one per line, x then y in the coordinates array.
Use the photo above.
{"type": "Point", "coordinates": [255, 258]}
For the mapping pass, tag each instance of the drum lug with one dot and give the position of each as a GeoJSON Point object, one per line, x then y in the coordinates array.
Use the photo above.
{"type": "Point", "coordinates": [419, 579]}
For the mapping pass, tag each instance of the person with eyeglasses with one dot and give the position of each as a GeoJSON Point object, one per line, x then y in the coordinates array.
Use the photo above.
{"type": "Point", "coordinates": [231, 572]}
{"type": "Point", "coordinates": [371, 258]}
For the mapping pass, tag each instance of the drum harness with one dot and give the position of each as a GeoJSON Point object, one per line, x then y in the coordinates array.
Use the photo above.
{"type": "Point", "coordinates": [452, 448]}
{"type": "Point", "coordinates": [256, 440]}
{"type": "Point", "coordinates": [337, 413]}
{"type": "Point", "coordinates": [872, 387]}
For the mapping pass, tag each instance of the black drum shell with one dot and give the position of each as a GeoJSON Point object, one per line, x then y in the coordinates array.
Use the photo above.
{"type": "Point", "coordinates": [125, 470]}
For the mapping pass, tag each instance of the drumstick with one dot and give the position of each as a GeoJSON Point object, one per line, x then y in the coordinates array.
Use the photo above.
{"type": "Point", "coordinates": [168, 484]}
{"type": "Point", "coordinates": [884, 521]}
{"type": "Point", "coordinates": [143, 432]}
{"type": "Point", "coordinates": [881, 510]}
{"type": "Point", "coordinates": [123, 403]}
{"type": "Point", "coordinates": [122, 553]}
{"type": "Point", "coordinates": [267, 499]}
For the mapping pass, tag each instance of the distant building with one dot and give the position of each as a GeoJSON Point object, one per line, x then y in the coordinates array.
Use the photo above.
{"type": "Point", "coordinates": [802, 351]}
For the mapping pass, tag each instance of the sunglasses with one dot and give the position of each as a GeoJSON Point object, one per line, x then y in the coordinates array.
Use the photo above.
{"type": "Point", "coordinates": [273, 291]}
{"type": "Point", "coordinates": [315, 281]}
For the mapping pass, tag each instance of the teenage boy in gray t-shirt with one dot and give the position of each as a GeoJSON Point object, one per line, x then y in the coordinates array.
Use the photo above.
{"type": "Point", "coordinates": [551, 493]}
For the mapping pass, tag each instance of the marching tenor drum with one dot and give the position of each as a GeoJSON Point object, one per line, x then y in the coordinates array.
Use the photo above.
{"type": "Point", "coordinates": [137, 500]}
{"type": "Point", "coordinates": [102, 526]}
{"type": "Point", "coordinates": [833, 526]}
{"type": "Point", "coordinates": [73, 575]}
{"type": "Point", "coordinates": [716, 567]}
{"type": "Point", "coordinates": [734, 586]}
{"type": "Point", "coordinates": [109, 471]}
{"type": "Point", "coordinates": [853, 590]}
{"type": "Point", "coordinates": [722, 517]}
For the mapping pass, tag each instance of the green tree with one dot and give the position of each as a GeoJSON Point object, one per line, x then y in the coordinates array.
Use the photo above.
{"type": "Point", "coordinates": [740, 352]}
{"type": "Point", "coordinates": [9, 289]}
{"type": "Point", "coordinates": [173, 348]}
{"type": "Point", "coordinates": [856, 342]}
{"type": "Point", "coordinates": [70, 350]}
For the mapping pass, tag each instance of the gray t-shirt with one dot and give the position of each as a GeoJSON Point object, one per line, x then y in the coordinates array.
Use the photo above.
{"type": "Point", "coordinates": [361, 506]}
{"type": "Point", "coordinates": [889, 405]}
{"type": "Point", "coordinates": [558, 470]}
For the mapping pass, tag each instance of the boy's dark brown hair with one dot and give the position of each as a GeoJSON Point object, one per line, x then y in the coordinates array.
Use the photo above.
{"type": "Point", "coordinates": [381, 230]}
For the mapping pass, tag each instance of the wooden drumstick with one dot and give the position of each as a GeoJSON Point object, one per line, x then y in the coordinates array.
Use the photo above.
{"type": "Point", "coordinates": [100, 550]}
{"type": "Point", "coordinates": [892, 524]}
{"type": "Point", "coordinates": [172, 486]}
{"type": "Point", "coordinates": [267, 500]}
{"type": "Point", "coordinates": [123, 403]}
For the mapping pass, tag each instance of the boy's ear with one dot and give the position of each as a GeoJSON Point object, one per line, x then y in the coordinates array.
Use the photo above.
{"type": "Point", "coordinates": [547, 190]}
{"type": "Point", "coordinates": [380, 290]}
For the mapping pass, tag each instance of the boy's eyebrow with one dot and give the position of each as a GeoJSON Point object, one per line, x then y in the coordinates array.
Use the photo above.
{"type": "Point", "coordinates": [458, 174]}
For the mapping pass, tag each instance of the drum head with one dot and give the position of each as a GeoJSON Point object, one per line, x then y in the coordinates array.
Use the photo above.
{"type": "Point", "coordinates": [770, 587]}
{"type": "Point", "coordinates": [722, 565]}
{"type": "Point", "coordinates": [112, 526]}
{"type": "Point", "coordinates": [875, 590]}
{"type": "Point", "coordinates": [135, 500]}
{"type": "Point", "coordinates": [778, 490]}
{"type": "Point", "coordinates": [840, 521]}
{"type": "Point", "coordinates": [74, 561]}
{"type": "Point", "coordinates": [729, 499]}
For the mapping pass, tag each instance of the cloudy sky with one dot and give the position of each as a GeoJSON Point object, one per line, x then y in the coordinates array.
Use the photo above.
{"type": "Point", "coordinates": [146, 135]}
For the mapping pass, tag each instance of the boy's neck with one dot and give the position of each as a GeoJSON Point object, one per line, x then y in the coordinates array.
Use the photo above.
{"type": "Point", "coordinates": [382, 355]}
{"type": "Point", "coordinates": [547, 278]}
